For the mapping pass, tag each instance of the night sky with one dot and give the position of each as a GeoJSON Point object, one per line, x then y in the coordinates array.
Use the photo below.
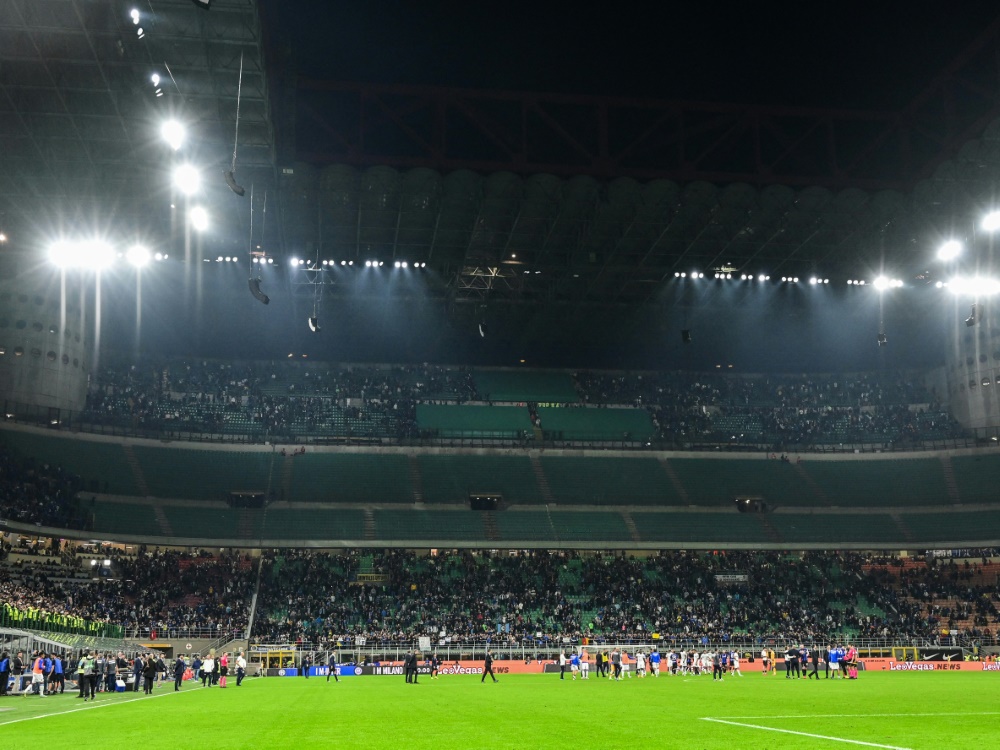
{"type": "Point", "coordinates": [846, 54]}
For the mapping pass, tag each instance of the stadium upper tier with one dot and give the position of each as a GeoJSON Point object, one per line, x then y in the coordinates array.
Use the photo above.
{"type": "Point", "coordinates": [143, 490]}
{"type": "Point", "coordinates": [321, 402]}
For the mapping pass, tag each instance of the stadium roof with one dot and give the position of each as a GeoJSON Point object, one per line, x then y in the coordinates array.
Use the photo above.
{"type": "Point", "coordinates": [515, 196]}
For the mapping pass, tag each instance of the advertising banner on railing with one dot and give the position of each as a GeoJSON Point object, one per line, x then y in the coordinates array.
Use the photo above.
{"type": "Point", "coordinates": [890, 665]}
{"type": "Point", "coordinates": [395, 669]}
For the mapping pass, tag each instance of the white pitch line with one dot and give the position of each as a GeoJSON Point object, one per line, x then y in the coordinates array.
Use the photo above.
{"type": "Point", "coordinates": [858, 716]}
{"type": "Point", "coordinates": [88, 708]}
{"type": "Point", "coordinates": [806, 734]}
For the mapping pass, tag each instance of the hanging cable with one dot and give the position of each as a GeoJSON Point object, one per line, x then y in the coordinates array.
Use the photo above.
{"type": "Point", "coordinates": [231, 174]}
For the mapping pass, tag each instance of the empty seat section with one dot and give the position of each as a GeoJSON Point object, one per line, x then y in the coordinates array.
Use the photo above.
{"type": "Point", "coordinates": [212, 522]}
{"type": "Point", "coordinates": [319, 523]}
{"type": "Point", "coordinates": [608, 481]}
{"type": "Point", "coordinates": [202, 475]}
{"type": "Point", "coordinates": [721, 481]}
{"type": "Point", "coordinates": [524, 526]}
{"type": "Point", "coordinates": [835, 528]}
{"type": "Point", "coordinates": [429, 526]}
{"type": "Point", "coordinates": [953, 527]}
{"type": "Point", "coordinates": [902, 482]}
{"type": "Point", "coordinates": [700, 527]}
{"type": "Point", "coordinates": [102, 466]}
{"type": "Point", "coordinates": [350, 478]}
{"type": "Point", "coordinates": [977, 478]}
{"type": "Point", "coordinates": [136, 519]}
{"type": "Point", "coordinates": [450, 479]}
{"type": "Point", "coordinates": [508, 422]}
{"type": "Point", "coordinates": [523, 385]}
{"type": "Point", "coordinates": [589, 527]}
{"type": "Point", "coordinates": [596, 424]}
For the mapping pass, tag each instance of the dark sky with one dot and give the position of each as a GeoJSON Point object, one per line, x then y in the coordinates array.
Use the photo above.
{"type": "Point", "coordinates": [858, 54]}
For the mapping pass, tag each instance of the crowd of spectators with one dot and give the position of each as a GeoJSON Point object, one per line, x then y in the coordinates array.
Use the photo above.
{"type": "Point", "coordinates": [518, 599]}
{"type": "Point", "coordinates": [279, 399]}
{"type": "Point", "coordinates": [149, 594]}
{"type": "Point", "coordinates": [532, 597]}
{"type": "Point", "coordinates": [38, 493]}
{"type": "Point", "coordinates": [293, 399]}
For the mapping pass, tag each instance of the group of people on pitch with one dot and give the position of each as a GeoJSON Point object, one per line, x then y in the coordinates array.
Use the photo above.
{"type": "Point", "coordinates": [838, 660]}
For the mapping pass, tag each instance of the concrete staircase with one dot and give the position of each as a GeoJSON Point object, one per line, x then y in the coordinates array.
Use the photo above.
{"type": "Point", "coordinates": [369, 532]}
{"type": "Point", "coordinates": [633, 530]}
{"type": "Point", "coordinates": [949, 480]}
{"type": "Point", "coordinates": [162, 522]}
{"type": "Point", "coordinates": [416, 480]}
{"type": "Point", "coordinates": [817, 491]}
{"type": "Point", "coordinates": [543, 481]}
{"type": "Point", "coordinates": [490, 526]}
{"type": "Point", "coordinates": [675, 481]}
{"type": "Point", "coordinates": [137, 476]}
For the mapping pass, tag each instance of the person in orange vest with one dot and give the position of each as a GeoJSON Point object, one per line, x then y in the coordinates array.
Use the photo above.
{"type": "Point", "coordinates": [37, 675]}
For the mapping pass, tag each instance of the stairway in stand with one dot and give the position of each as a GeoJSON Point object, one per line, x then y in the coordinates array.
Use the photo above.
{"type": "Point", "coordinates": [416, 480]}
{"type": "Point", "coordinates": [286, 478]}
{"type": "Point", "coordinates": [137, 475]}
{"type": "Point", "coordinates": [949, 480]}
{"type": "Point", "coordinates": [490, 526]}
{"type": "Point", "coordinates": [369, 531]}
{"type": "Point", "coordinates": [162, 521]}
{"type": "Point", "coordinates": [633, 530]}
{"type": "Point", "coordinates": [244, 524]}
{"type": "Point", "coordinates": [543, 481]}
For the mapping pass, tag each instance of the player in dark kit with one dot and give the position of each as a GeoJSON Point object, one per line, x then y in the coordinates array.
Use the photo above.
{"type": "Point", "coordinates": [488, 667]}
{"type": "Point", "coordinates": [331, 665]}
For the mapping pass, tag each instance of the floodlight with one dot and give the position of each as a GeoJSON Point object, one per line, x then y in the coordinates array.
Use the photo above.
{"type": "Point", "coordinates": [187, 179]}
{"type": "Point", "coordinates": [61, 254]}
{"type": "Point", "coordinates": [270, 260]}
{"type": "Point", "coordinates": [138, 256]}
{"type": "Point", "coordinates": [135, 16]}
{"type": "Point", "coordinates": [155, 78]}
{"type": "Point", "coordinates": [813, 281]}
{"type": "Point", "coordinates": [158, 256]}
{"type": "Point", "coordinates": [949, 250]}
{"type": "Point", "coordinates": [314, 324]}
{"type": "Point", "coordinates": [396, 264]}
{"type": "Point", "coordinates": [881, 282]}
{"type": "Point", "coordinates": [760, 278]}
{"type": "Point", "coordinates": [974, 286]}
{"type": "Point", "coordinates": [173, 133]}
{"type": "Point", "coordinates": [295, 261]}
{"type": "Point", "coordinates": [3, 237]}
{"type": "Point", "coordinates": [96, 254]}
{"type": "Point", "coordinates": [991, 222]}
{"type": "Point", "coordinates": [228, 258]}
{"type": "Point", "coordinates": [199, 218]}
{"type": "Point", "coordinates": [368, 264]}
{"type": "Point", "coordinates": [140, 33]}
{"type": "Point", "coordinates": [344, 263]}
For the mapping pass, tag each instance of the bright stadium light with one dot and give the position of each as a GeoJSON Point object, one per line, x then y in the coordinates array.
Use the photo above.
{"type": "Point", "coordinates": [881, 283]}
{"type": "Point", "coordinates": [138, 256]}
{"type": "Point", "coordinates": [134, 15]}
{"type": "Point", "coordinates": [155, 78]}
{"type": "Point", "coordinates": [991, 222]}
{"type": "Point", "coordinates": [96, 254]}
{"type": "Point", "coordinates": [198, 218]}
{"type": "Point", "coordinates": [173, 133]}
{"type": "Point", "coordinates": [61, 254]}
{"type": "Point", "coordinates": [949, 250]}
{"type": "Point", "coordinates": [187, 179]}
{"type": "Point", "coordinates": [974, 286]}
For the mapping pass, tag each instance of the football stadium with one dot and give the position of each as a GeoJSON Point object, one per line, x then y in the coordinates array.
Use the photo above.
{"type": "Point", "coordinates": [470, 377]}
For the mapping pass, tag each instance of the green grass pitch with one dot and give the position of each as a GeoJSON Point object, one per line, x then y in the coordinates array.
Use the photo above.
{"type": "Point", "coordinates": [917, 711]}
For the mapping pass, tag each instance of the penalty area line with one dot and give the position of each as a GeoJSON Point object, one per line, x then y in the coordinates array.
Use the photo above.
{"type": "Point", "coordinates": [803, 734]}
{"type": "Point", "coordinates": [859, 716]}
{"type": "Point", "coordinates": [92, 706]}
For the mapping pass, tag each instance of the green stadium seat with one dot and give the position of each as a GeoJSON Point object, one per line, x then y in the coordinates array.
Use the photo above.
{"type": "Point", "coordinates": [580, 480]}
{"type": "Point", "coordinates": [350, 478]}
{"type": "Point", "coordinates": [596, 424]}
{"type": "Point", "coordinates": [450, 479]}
{"type": "Point", "coordinates": [318, 523]}
{"type": "Point", "coordinates": [134, 519]}
{"type": "Point", "coordinates": [430, 526]}
{"type": "Point", "coordinates": [92, 460]}
{"type": "Point", "coordinates": [202, 474]}
{"type": "Point", "coordinates": [525, 385]}
{"type": "Point", "coordinates": [700, 527]}
{"type": "Point", "coordinates": [446, 420]}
